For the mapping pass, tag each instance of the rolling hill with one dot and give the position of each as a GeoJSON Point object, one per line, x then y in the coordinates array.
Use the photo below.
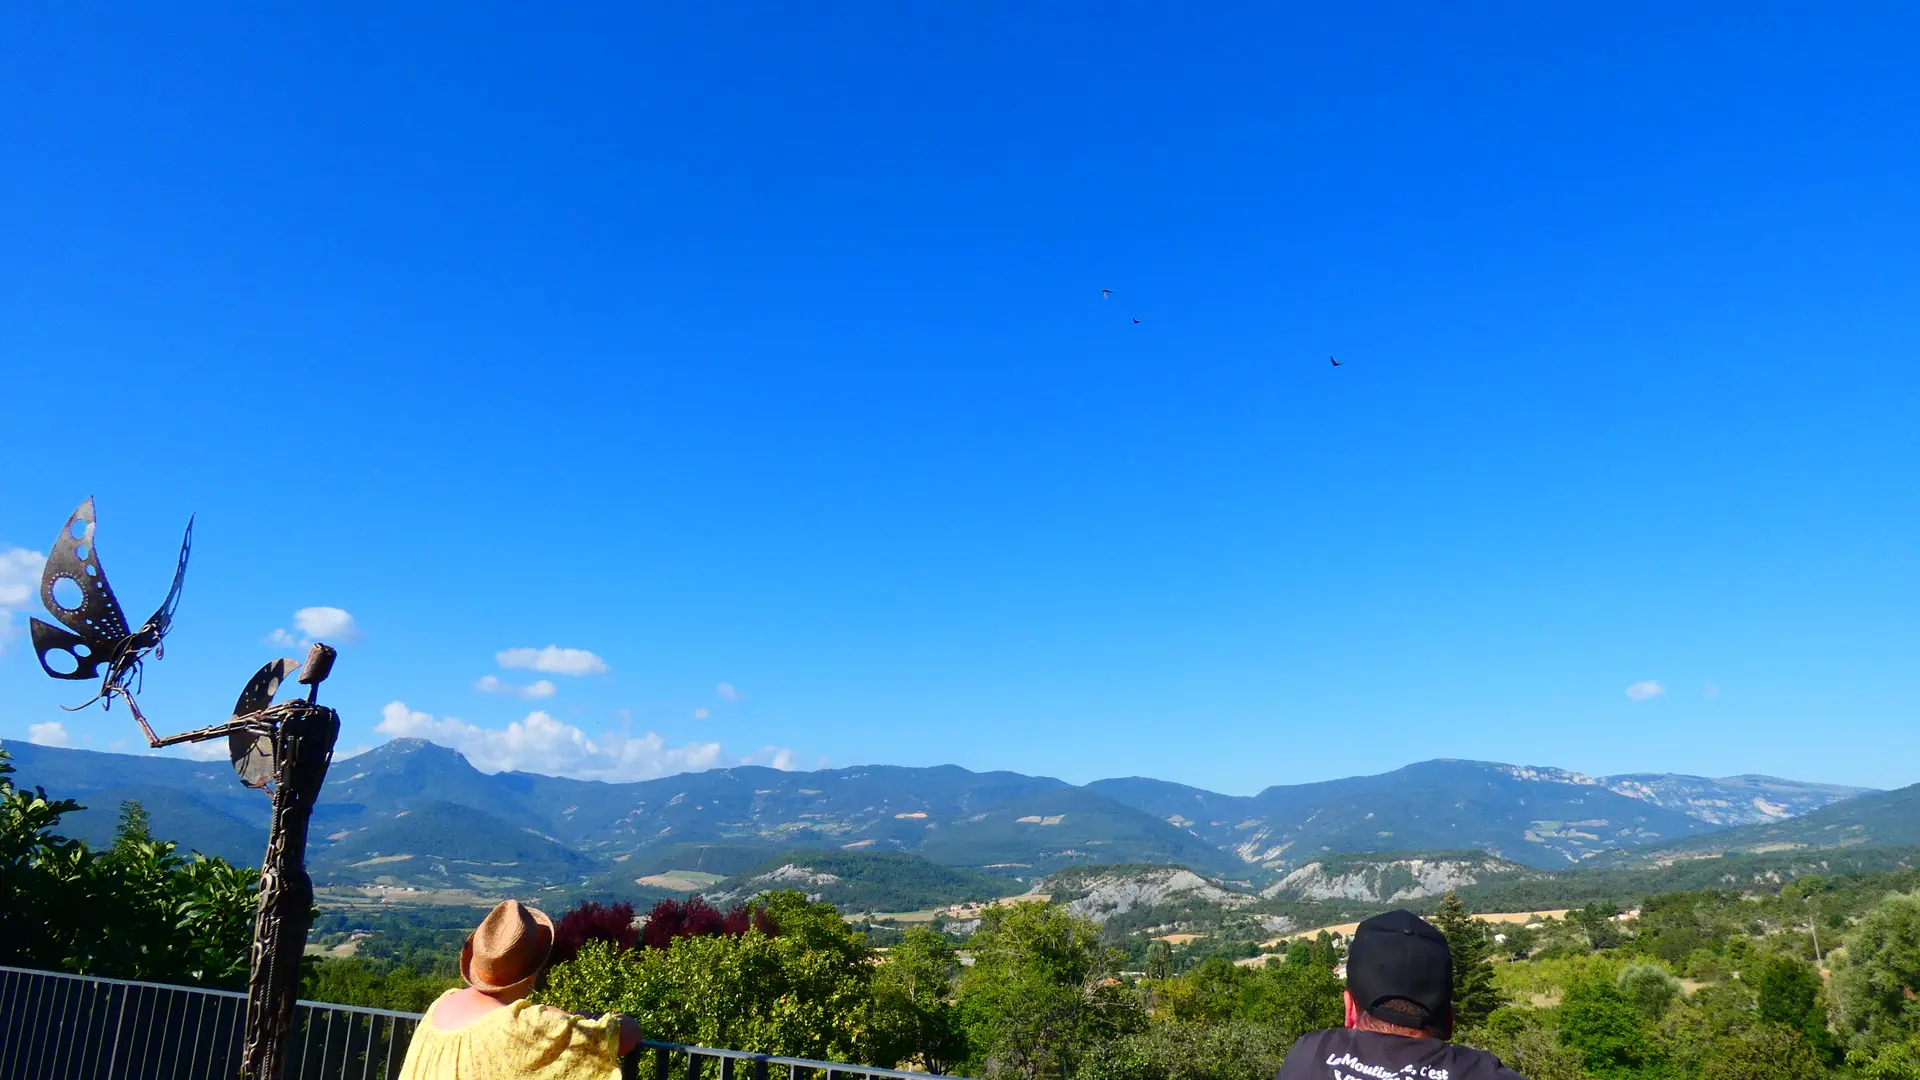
{"type": "Point", "coordinates": [445, 845]}
{"type": "Point", "coordinates": [854, 881]}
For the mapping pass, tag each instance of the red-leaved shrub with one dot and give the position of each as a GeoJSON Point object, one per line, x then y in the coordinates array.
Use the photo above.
{"type": "Point", "coordinates": [695, 917]}
{"type": "Point", "coordinates": [593, 922]}
{"type": "Point", "coordinates": [667, 920]}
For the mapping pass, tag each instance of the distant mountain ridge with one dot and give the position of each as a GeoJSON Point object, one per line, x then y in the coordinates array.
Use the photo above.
{"type": "Point", "coordinates": [1874, 819]}
{"type": "Point", "coordinates": [411, 812]}
{"type": "Point", "coordinates": [1544, 817]}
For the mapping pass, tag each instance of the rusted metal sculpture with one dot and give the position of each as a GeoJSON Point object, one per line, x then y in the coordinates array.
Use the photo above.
{"type": "Point", "coordinates": [96, 634]}
{"type": "Point", "coordinates": [284, 749]}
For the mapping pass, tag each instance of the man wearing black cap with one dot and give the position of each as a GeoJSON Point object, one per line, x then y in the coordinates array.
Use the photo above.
{"type": "Point", "coordinates": [1399, 1013]}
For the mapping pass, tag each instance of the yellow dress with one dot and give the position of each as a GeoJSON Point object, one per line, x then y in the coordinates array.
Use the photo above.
{"type": "Point", "coordinates": [520, 1041]}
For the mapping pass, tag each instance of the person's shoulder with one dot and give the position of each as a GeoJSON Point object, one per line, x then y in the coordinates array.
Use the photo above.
{"type": "Point", "coordinates": [558, 1021]}
{"type": "Point", "coordinates": [1316, 1038]}
{"type": "Point", "coordinates": [1305, 1053]}
{"type": "Point", "coordinates": [1477, 1064]}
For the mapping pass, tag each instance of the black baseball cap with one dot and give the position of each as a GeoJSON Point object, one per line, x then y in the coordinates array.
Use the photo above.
{"type": "Point", "coordinates": [1399, 970]}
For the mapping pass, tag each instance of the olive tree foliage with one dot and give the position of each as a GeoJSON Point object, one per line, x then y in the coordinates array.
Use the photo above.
{"type": "Point", "coordinates": [1649, 988]}
{"type": "Point", "coordinates": [138, 910]}
{"type": "Point", "coordinates": [1041, 995]}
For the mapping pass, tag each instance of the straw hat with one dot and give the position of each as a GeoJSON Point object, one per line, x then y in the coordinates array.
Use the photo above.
{"type": "Point", "coordinates": [508, 950]}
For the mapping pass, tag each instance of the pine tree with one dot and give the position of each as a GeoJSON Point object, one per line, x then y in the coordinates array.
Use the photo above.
{"type": "Point", "coordinates": [1474, 995]}
{"type": "Point", "coordinates": [136, 826]}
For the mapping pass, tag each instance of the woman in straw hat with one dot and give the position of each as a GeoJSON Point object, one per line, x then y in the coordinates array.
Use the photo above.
{"type": "Point", "coordinates": [490, 1030]}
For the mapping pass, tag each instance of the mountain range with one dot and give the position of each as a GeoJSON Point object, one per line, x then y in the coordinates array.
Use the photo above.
{"type": "Point", "coordinates": [413, 813]}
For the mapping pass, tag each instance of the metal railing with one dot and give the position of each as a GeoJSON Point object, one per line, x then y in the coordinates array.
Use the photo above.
{"type": "Point", "coordinates": [55, 1026]}
{"type": "Point", "coordinates": [728, 1065]}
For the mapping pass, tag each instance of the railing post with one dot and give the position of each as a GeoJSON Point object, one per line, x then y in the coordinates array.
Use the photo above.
{"type": "Point", "coordinates": [760, 1068]}
{"type": "Point", "coordinates": [662, 1060]}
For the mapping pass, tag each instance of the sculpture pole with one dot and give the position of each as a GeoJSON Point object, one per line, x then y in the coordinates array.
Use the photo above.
{"type": "Point", "coordinates": [303, 739]}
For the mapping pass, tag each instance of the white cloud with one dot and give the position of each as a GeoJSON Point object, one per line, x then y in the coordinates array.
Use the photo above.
{"type": "Point", "coordinates": [1644, 689]}
{"type": "Point", "coordinates": [319, 622]}
{"type": "Point", "coordinates": [19, 585]}
{"type": "Point", "coordinates": [700, 713]}
{"type": "Point", "coordinates": [51, 733]}
{"type": "Point", "coordinates": [541, 688]}
{"type": "Point", "coordinates": [315, 624]}
{"type": "Point", "coordinates": [552, 659]}
{"type": "Point", "coordinates": [211, 750]}
{"type": "Point", "coordinates": [778, 757]}
{"type": "Point", "coordinates": [727, 692]}
{"type": "Point", "coordinates": [541, 744]}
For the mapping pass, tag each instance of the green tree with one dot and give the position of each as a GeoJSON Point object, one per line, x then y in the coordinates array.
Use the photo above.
{"type": "Point", "coordinates": [44, 877]}
{"type": "Point", "coordinates": [1650, 988]}
{"type": "Point", "coordinates": [1177, 1050]}
{"type": "Point", "coordinates": [1209, 994]}
{"type": "Point", "coordinates": [135, 911]}
{"type": "Point", "coordinates": [1791, 995]}
{"type": "Point", "coordinates": [1041, 994]}
{"type": "Point", "coordinates": [378, 984]}
{"type": "Point", "coordinates": [1474, 994]}
{"type": "Point", "coordinates": [1876, 983]}
{"type": "Point", "coordinates": [1595, 925]}
{"type": "Point", "coordinates": [136, 828]}
{"type": "Point", "coordinates": [1526, 1042]}
{"type": "Point", "coordinates": [1761, 1052]}
{"type": "Point", "coordinates": [914, 991]}
{"type": "Point", "coordinates": [1612, 1036]}
{"type": "Point", "coordinates": [1159, 960]}
{"type": "Point", "coordinates": [1893, 1061]}
{"type": "Point", "coordinates": [1293, 999]}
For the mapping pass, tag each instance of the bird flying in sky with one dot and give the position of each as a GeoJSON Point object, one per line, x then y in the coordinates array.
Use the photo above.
{"type": "Point", "coordinates": [1136, 318]}
{"type": "Point", "coordinates": [1106, 294]}
{"type": "Point", "coordinates": [1330, 359]}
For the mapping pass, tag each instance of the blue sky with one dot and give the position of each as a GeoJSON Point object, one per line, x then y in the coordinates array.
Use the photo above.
{"type": "Point", "coordinates": [765, 347]}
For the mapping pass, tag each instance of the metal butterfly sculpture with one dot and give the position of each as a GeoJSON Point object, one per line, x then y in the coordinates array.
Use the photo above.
{"type": "Point", "coordinates": [96, 636]}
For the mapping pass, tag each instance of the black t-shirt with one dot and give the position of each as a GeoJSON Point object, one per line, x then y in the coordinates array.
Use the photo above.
{"type": "Point", "coordinates": [1346, 1054]}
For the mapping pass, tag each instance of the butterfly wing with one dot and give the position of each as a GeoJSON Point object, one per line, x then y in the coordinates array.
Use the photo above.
{"type": "Point", "coordinates": [162, 619]}
{"type": "Point", "coordinates": [69, 650]}
{"type": "Point", "coordinates": [252, 751]}
{"type": "Point", "coordinates": [75, 559]}
{"type": "Point", "coordinates": [95, 627]}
